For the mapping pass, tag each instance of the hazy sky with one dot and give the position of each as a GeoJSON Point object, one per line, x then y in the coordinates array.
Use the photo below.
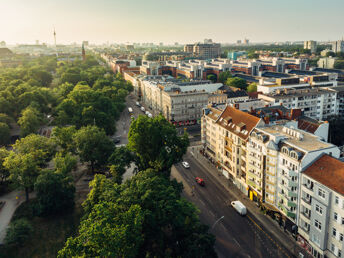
{"type": "Point", "coordinates": [170, 20]}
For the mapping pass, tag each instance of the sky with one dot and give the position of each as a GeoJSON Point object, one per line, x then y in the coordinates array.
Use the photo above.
{"type": "Point", "coordinates": [169, 21]}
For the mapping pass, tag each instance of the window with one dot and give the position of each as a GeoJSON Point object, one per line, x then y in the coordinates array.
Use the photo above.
{"type": "Point", "coordinates": [337, 200]}
{"type": "Point", "coordinates": [342, 221]}
{"type": "Point", "coordinates": [321, 193]}
{"type": "Point", "coordinates": [332, 247]}
{"type": "Point", "coordinates": [334, 232]}
{"type": "Point", "coordinates": [318, 209]}
{"type": "Point", "coordinates": [335, 216]}
{"type": "Point", "coordinates": [317, 224]}
{"type": "Point", "coordinates": [339, 253]}
{"type": "Point", "coordinates": [341, 237]}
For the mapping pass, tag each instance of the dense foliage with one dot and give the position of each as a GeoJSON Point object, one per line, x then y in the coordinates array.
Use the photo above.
{"type": "Point", "coordinates": [144, 217]}
{"type": "Point", "coordinates": [18, 231]}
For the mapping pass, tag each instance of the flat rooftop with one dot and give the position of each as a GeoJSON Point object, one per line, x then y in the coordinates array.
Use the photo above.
{"type": "Point", "coordinates": [309, 142]}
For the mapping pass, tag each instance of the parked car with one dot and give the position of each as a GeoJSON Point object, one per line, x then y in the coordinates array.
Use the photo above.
{"type": "Point", "coordinates": [137, 104]}
{"type": "Point", "coordinates": [143, 109]}
{"type": "Point", "coordinates": [200, 181]}
{"type": "Point", "coordinates": [239, 207]}
{"type": "Point", "coordinates": [117, 140]}
{"type": "Point", "coordinates": [185, 164]}
{"type": "Point", "coordinates": [150, 115]}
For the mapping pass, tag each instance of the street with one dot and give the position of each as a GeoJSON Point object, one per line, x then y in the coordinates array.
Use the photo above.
{"type": "Point", "coordinates": [236, 236]}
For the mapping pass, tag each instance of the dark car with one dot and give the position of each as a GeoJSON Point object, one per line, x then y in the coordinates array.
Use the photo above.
{"type": "Point", "coordinates": [200, 181]}
{"type": "Point", "coordinates": [117, 140]}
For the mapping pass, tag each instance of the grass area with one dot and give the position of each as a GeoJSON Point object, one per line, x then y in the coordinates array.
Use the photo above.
{"type": "Point", "coordinates": [49, 233]}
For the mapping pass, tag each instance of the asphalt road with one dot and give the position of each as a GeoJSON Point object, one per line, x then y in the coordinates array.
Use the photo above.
{"type": "Point", "coordinates": [236, 236]}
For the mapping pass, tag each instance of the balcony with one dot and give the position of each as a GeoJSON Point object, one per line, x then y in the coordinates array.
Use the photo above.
{"type": "Point", "coordinates": [306, 214]}
{"type": "Point", "coordinates": [271, 164]}
{"type": "Point", "coordinates": [291, 204]}
{"type": "Point", "coordinates": [270, 182]}
{"type": "Point", "coordinates": [243, 157]}
{"type": "Point", "coordinates": [270, 191]}
{"type": "Point", "coordinates": [243, 168]}
{"type": "Point", "coordinates": [309, 186]}
{"type": "Point", "coordinates": [292, 173]}
{"type": "Point", "coordinates": [270, 173]}
{"type": "Point", "coordinates": [306, 200]}
{"type": "Point", "coordinates": [227, 147]}
{"type": "Point", "coordinates": [292, 183]}
{"type": "Point", "coordinates": [305, 228]}
{"type": "Point", "coordinates": [292, 194]}
{"type": "Point", "coordinates": [251, 183]}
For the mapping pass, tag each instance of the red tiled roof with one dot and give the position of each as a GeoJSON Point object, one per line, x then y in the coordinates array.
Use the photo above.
{"type": "Point", "coordinates": [307, 126]}
{"type": "Point", "coordinates": [237, 119]}
{"type": "Point", "coordinates": [328, 171]}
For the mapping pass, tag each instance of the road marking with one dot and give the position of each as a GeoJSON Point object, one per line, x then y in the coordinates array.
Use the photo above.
{"type": "Point", "coordinates": [201, 202]}
{"type": "Point", "coordinates": [273, 241]}
{"type": "Point", "coordinates": [236, 242]}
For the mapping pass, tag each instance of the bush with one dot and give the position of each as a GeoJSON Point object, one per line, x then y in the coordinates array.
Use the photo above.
{"type": "Point", "coordinates": [18, 232]}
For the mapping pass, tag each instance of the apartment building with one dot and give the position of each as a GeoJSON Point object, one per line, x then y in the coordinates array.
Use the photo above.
{"type": "Point", "coordinates": [276, 156]}
{"type": "Point", "coordinates": [316, 103]}
{"type": "Point", "coordinates": [321, 212]}
{"type": "Point", "coordinates": [338, 46]}
{"type": "Point", "coordinates": [204, 50]}
{"type": "Point", "coordinates": [224, 136]}
{"type": "Point", "coordinates": [311, 45]}
{"type": "Point", "coordinates": [340, 99]}
{"type": "Point", "coordinates": [180, 102]}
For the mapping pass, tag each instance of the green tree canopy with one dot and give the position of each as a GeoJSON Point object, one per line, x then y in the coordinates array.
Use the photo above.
{"type": "Point", "coordinates": [4, 172]}
{"type": "Point", "coordinates": [144, 217]}
{"type": "Point", "coordinates": [63, 137]}
{"type": "Point", "coordinates": [252, 87]}
{"type": "Point", "coordinates": [212, 77]}
{"type": "Point", "coordinates": [339, 64]}
{"type": "Point", "coordinates": [64, 163]}
{"type": "Point", "coordinates": [156, 143]}
{"type": "Point", "coordinates": [30, 121]}
{"type": "Point", "coordinates": [237, 83]}
{"type": "Point", "coordinates": [5, 134]}
{"type": "Point", "coordinates": [224, 76]}
{"type": "Point", "coordinates": [55, 193]}
{"type": "Point", "coordinates": [93, 146]}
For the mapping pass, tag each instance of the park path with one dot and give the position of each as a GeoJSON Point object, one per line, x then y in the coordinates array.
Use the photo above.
{"type": "Point", "coordinates": [7, 211]}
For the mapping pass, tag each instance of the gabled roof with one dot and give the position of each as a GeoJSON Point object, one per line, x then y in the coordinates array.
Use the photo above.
{"type": "Point", "coordinates": [233, 119]}
{"type": "Point", "coordinates": [328, 171]}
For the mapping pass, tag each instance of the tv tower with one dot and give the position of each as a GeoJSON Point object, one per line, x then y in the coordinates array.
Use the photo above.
{"type": "Point", "coordinates": [55, 42]}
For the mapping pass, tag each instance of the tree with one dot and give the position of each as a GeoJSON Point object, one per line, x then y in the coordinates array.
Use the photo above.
{"type": "Point", "coordinates": [252, 87]}
{"type": "Point", "coordinates": [30, 121]}
{"type": "Point", "coordinates": [23, 170]}
{"type": "Point", "coordinates": [212, 77]}
{"type": "Point", "coordinates": [55, 193]}
{"type": "Point", "coordinates": [64, 163]}
{"type": "Point", "coordinates": [93, 146]}
{"type": "Point", "coordinates": [253, 55]}
{"type": "Point", "coordinates": [4, 172]}
{"type": "Point", "coordinates": [5, 134]}
{"type": "Point", "coordinates": [223, 76]}
{"type": "Point", "coordinates": [237, 83]}
{"type": "Point", "coordinates": [336, 135]}
{"type": "Point", "coordinates": [330, 53]}
{"type": "Point", "coordinates": [18, 231]}
{"type": "Point", "coordinates": [63, 137]}
{"type": "Point", "coordinates": [40, 147]}
{"type": "Point", "coordinates": [119, 161]}
{"type": "Point", "coordinates": [155, 143]}
{"type": "Point", "coordinates": [144, 217]}
{"type": "Point", "coordinates": [339, 64]}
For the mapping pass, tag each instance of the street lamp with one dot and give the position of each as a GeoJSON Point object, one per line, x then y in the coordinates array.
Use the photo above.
{"type": "Point", "coordinates": [217, 222]}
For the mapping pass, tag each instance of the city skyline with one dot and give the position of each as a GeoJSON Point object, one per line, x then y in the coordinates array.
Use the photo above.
{"type": "Point", "coordinates": [159, 21]}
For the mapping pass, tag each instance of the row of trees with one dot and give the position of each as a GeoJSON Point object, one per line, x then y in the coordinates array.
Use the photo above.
{"type": "Point", "coordinates": [145, 216]}
{"type": "Point", "coordinates": [236, 82]}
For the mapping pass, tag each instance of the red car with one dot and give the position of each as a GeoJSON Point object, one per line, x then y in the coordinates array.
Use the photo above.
{"type": "Point", "coordinates": [199, 181]}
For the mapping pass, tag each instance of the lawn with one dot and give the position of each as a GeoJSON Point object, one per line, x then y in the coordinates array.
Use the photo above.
{"type": "Point", "coordinates": [49, 234]}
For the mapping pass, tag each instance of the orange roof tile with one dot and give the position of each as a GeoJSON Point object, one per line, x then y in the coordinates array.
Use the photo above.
{"type": "Point", "coordinates": [239, 119]}
{"type": "Point", "coordinates": [328, 171]}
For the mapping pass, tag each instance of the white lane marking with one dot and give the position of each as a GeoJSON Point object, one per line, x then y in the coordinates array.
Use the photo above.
{"type": "Point", "coordinates": [201, 202]}
{"type": "Point", "coordinates": [236, 242]}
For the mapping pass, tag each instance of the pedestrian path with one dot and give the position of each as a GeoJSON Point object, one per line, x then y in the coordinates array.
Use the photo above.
{"type": "Point", "coordinates": [12, 201]}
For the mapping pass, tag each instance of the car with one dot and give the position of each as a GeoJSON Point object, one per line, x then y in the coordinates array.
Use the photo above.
{"type": "Point", "coordinates": [137, 104]}
{"type": "Point", "coordinates": [185, 164]}
{"type": "Point", "coordinates": [200, 181]}
{"type": "Point", "coordinates": [143, 109]}
{"type": "Point", "coordinates": [147, 113]}
{"type": "Point", "coordinates": [117, 140]}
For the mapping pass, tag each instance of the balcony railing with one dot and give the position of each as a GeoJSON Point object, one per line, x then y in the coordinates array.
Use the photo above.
{"type": "Point", "coordinates": [307, 215]}
{"type": "Point", "coordinates": [307, 200]}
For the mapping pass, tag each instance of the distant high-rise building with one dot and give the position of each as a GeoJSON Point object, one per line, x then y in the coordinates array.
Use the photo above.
{"type": "Point", "coordinates": [176, 43]}
{"type": "Point", "coordinates": [246, 41]}
{"type": "Point", "coordinates": [338, 46]}
{"type": "Point", "coordinates": [311, 45]}
{"type": "Point", "coordinates": [85, 43]}
{"type": "Point", "coordinates": [238, 41]}
{"type": "Point", "coordinates": [204, 51]}
{"type": "Point", "coordinates": [208, 41]}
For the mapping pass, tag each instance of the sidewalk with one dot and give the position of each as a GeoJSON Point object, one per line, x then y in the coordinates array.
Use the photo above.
{"type": "Point", "coordinates": [8, 210]}
{"type": "Point", "coordinates": [271, 225]}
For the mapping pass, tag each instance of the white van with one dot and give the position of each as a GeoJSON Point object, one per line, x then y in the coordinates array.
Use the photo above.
{"type": "Point", "coordinates": [239, 207]}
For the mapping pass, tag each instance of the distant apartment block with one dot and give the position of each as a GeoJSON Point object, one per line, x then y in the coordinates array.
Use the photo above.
{"type": "Point", "coordinates": [204, 50]}
{"type": "Point", "coordinates": [311, 45]}
{"type": "Point", "coordinates": [338, 46]}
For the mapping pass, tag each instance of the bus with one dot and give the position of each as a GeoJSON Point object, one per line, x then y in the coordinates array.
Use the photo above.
{"type": "Point", "coordinates": [130, 110]}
